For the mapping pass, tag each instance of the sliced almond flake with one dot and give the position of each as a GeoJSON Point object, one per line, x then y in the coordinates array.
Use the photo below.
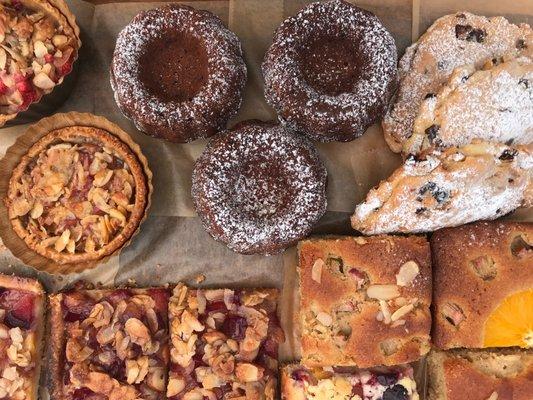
{"type": "Point", "coordinates": [385, 311]}
{"type": "Point", "coordinates": [402, 311]}
{"type": "Point", "coordinates": [407, 273]}
{"type": "Point", "coordinates": [316, 270]}
{"type": "Point", "coordinates": [324, 318]}
{"type": "Point", "coordinates": [383, 292]}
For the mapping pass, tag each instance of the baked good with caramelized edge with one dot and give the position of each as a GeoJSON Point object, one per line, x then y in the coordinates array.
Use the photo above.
{"type": "Point", "coordinates": [78, 195]}
{"type": "Point", "coordinates": [330, 71]}
{"type": "Point", "coordinates": [477, 268]}
{"type": "Point", "coordinates": [259, 188]}
{"type": "Point", "coordinates": [224, 344]}
{"type": "Point", "coordinates": [178, 73]}
{"type": "Point", "coordinates": [364, 301]}
{"type": "Point", "coordinates": [38, 48]}
{"type": "Point", "coordinates": [22, 311]}
{"type": "Point", "coordinates": [480, 375]}
{"type": "Point", "coordinates": [494, 104]}
{"type": "Point", "coordinates": [109, 344]}
{"type": "Point", "coordinates": [452, 41]}
{"type": "Point", "coordinates": [439, 189]}
{"type": "Point", "coordinates": [387, 383]}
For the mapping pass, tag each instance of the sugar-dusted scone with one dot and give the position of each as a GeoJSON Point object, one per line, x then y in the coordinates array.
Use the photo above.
{"type": "Point", "coordinates": [483, 285]}
{"type": "Point", "coordinates": [364, 301]}
{"type": "Point", "coordinates": [389, 383]}
{"type": "Point", "coordinates": [21, 331]}
{"type": "Point", "coordinates": [480, 375]}
{"type": "Point", "coordinates": [452, 41]}
{"type": "Point", "coordinates": [109, 344]}
{"type": "Point", "coordinates": [224, 344]}
{"type": "Point", "coordinates": [481, 180]}
{"type": "Point", "coordinates": [494, 104]}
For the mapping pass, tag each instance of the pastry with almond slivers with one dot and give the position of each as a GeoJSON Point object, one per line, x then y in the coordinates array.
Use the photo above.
{"type": "Point", "coordinates": [78, 195]}
{"type": "Point", "coordinates": [21, 332]}
{"type": "Point", "coordinates": [38, 47]}
{"type": "Point", "coordinates": [224, 344]}
{"type": "Point", "coordinates": [439, 189]}
{"type": "Point", "coordinates": [347, 383]}
{"type": "Point", "coordinates": [483, 286]}
{"type": "Point", "coordinates": [109, 344]}
{"type": "Point", "coordinates": [364, 301]}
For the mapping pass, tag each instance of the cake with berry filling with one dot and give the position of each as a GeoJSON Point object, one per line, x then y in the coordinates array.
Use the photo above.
{"type": "Point", "coordinates": [38, 46]}
{"type": "Point", "coordinates": [78, 195]}
{"type": "Point", "coordinates": [391, 383]}
{"type": "Point", "coordinates": [483, 286]}
{"type": "Point", "coordinates": [480, 375]}
{"type": "Point", "coordinates": [109, 344]}
{"type": "Point", "coordinates": [224, 344]}
{"type": "Point", "coordinates": [364, 301]}
{"type": "Point", "coordinates": [21, 329]}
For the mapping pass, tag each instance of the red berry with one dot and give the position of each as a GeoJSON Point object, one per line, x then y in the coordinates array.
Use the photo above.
{"type": "Point", "coordinates": [160, 297]}
{"type": "Point", "coordinates": [76, 306]}
{"type": "Point", "coordinates": [24, 86]}
{"type": "Point", "coordinates": [65, 68]}
{"type": "Point", "coordinates": [49, 58]}
{"type": "Point", "coordinates": [3, 87]}
{"type": "Point", "coordinates": [19, 77]}
{"type": "Point", "coordinates": [234, 327]}
{"type": "Point", "coordinates": [19, 307]}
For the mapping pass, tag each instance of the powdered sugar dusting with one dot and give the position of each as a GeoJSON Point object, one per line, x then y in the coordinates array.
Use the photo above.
{"type": "Point", "coordinates": [216, 102]}
{"type": "Point", "coordinates": [494, 104]}
{"type": "Point", "coordinates": [259, 188]}
{"type": "Point", "coordinates": [429, 63]}
{"type": "Point", "coordinates": [486, 181]}
{"type": "Point", "coordinates": [321, 116]}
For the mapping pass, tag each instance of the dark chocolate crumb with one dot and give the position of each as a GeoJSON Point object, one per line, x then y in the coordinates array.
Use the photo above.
{"type": "Point", "coordinates": [508, 155]}
{"type": "Point", "coordinates": [431, 132]}
{"type": "Point", "coordinates": [521, 44]}
{"type": "Point", "coordinates": [524, 82]}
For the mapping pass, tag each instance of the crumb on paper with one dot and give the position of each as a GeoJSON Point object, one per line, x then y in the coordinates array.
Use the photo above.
{"type": "Point", "coordinates": [199, 278]}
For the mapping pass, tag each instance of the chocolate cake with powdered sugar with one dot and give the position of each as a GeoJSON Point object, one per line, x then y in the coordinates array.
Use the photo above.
{"type": "Point", "coordinates": [330, 71]}
{"type": "Point", "coordinates": [259, 188]}
{"type": "Point", "coordinates": [178, 73]}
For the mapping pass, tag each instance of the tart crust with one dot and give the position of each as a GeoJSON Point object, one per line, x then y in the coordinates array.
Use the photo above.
{"type": "Point", "coordinates": [90, 135]}
{"type": "Point", "coordinates": [59, 12]}
{"type": "Point", "coordinates": [33, 346]}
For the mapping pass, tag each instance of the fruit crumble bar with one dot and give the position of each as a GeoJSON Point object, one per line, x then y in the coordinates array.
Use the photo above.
{"type": "Point", "coordinates": [224, 344]}
{"type": "Point", "coordinates": [21, 328]}
{"type": "Point", "coordinates": [391, 383]}
{"type": "Point", "coordinates": [364, 300]}
{"type": "Point", "coordinates": [483, 285]}
{"type": "Point", "coordinates": [109, 344]}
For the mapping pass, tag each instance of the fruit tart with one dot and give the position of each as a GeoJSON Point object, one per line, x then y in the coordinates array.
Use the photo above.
{"type": "Point", "coordinates": [224, 344]}
{"type": "Point", "coordinates": [78, 195]}
{"type": "Point", "coordinates": [385, 383]}
{"type": "Point", "coordinates": [21, 327]}
{"type": "Point", "coordinates": [38, 47]}
{"type": "Point", "coordinates": [109, 344]}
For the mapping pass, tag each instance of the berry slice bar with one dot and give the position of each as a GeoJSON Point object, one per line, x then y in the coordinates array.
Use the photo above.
{"type": "Point", "coordinates": [392, 383]}
{"type": "Point", "coordinates": [224, 344]}
{"type": "Point", "coordinates": [109, 344]}
{"type": "Point", "coordinates": [21, 328]}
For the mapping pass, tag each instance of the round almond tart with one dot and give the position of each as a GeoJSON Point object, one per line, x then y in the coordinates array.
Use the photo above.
{"type": "Point", "coordinates": [78, 195]}
{"type": "Point", "coordinates": [38, 46]}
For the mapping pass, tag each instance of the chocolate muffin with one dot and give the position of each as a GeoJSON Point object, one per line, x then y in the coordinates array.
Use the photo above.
{"type": "Point", "coordinates": [330, 71]}
{"type": "Point", "coordinates": [178, 73]}
{"type": "Point", "coordinates": [259, 188]}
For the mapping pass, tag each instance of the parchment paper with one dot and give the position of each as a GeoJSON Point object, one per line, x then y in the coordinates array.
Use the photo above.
{"type": "Point", "coordinates": [172, 244]}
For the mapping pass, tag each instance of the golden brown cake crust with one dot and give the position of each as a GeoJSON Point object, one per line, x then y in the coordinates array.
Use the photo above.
{"type": "Point", "coordinates": [467, 297]}
{"type": "Point", "coordinates": [90, 135]}
{"type": "Point", "coordinates": [359, 332]}
{"type": "Point", "coordinates": [477, 375]}
{"type": "Point", "coordinates": [56, 344]}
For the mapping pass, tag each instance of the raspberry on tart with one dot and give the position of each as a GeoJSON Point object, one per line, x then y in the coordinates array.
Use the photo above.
{"type": "Point", "coordinates": [364, 301]}
{"type": "Point", "coordinates": [38, 47]}
{"type": "Point", "coordinates": [109, 344]}
{"type": "Point", "coordinates": [78, 195]}
{"type": "Point", "coordinates": [392, 383]}
{"type": "Point", "coordinates": [21, 329]}
{"type": "Point", "coordinates": [224, 344]}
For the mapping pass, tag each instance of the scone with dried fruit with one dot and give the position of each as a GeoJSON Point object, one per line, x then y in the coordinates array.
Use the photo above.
{"type": "Point", "coordinates": [21, 330]}
{"type": "Point", "coordinates": [452, 41]}
{"type": "Point", "coordinates": [483, 286]}
{"type": "Point", "coordinates": [38, 47]}
{"type": "Point", "coordinates": [364, 301]}
{"type": "Point", "coordinates": [480, 375]}
{"type": "Point", "coordinates": [494, 104]}
{"type": "Point", "coordinates": [78, 195]}
{"type": "Point", "coordinates": [224, 344]}
{"type": "Point", "coordinates": [109, 344]}
{"type": "Point", "coordinates": [481, 180]}
{"type": "Point", "coordinates": [330, 383]}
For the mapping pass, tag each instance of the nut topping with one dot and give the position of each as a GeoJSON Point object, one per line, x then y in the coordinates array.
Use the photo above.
{"type": "Point", "coordinates": [382, 292]}
{"type": "Point", "coordinates": [408, 272]}
{"type": "Point", "coordinates": [316, 271]}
